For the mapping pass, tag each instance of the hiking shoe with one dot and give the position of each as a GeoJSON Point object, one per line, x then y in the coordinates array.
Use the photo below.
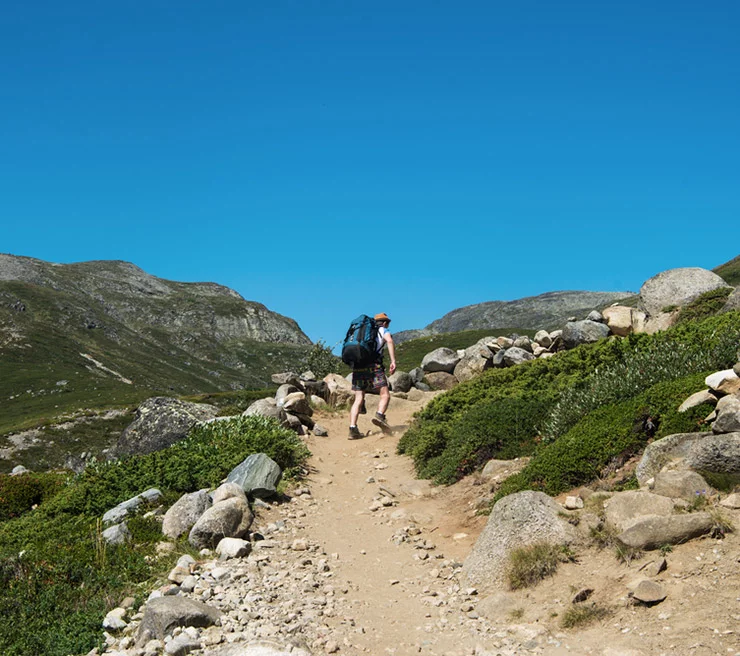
{"type": "Point", "coordinates": [380, 421]}
{"type": "Point", "coordinates": [363, 409]}
{"type": "Point", "coordinates": [354, 433]}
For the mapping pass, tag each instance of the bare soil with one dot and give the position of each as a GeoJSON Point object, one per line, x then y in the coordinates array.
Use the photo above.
{"type": "Point", "coordinates": [403, 593]}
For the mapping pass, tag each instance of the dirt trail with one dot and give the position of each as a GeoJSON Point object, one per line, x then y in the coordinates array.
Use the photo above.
{"type": "Point", "coordinates": [397, 568]}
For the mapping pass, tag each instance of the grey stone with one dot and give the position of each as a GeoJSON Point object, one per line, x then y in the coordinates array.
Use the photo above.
{"type": "Point", "coordinates": [498, 360]}
{"type": "Point", "coordinates": [160, 422]}
{"type": "Point", "coordinates": [441, 380]}
{"type": "Point", "coordinates": [297, 404]}
{"type": "Point", "coordinates": [282, 393]}
{"type": "Point", "coordinates": [267, 408]}
{"type": "Point", "coordinates": [680, 484]}
{"type": "Point", "coordinates": [286, 377]}
{"type": "Point", "coordinates": [697, 399]}
{"type": "Point", "coordinates": [258, 648]}
{"type": "Point", "coordinates": [655, 532]}
{"type": "Point", "coordinates": [183, 514]}
{"type": "Point", "coordinates": [122, 510]}
{"type": "Point", "coordinates": [649, 592]}
{"type": "Point", "coordinates": [400, 381]}
{"type": "Point", "coordinates": [619, 318]}
{"type": "Point", "coordinates": [417, 375]}
{"type": "Point", "coordinates": [181, 645]}
{"type": "Point", "coordinates": [320, 431]}
{"type": "Point", "coordinates": [728, 415]}
{"type": "Point", "coordinates": [523, 342]}
{"type": "Point", "coordinates": [229, 518]}
{"type": "Point", "coordinates": [258, 475]}
{"type": "Point", "coordinates": [632, 506]}
{"type": "Point", "coordinates": [472, 365]}
{"type": "Point", "coordinates": [233, 548]}
{"type": "Point", "coordinates": [677, 288]}
{"type": "Point", "coordinates": [228, 490]}
{"type": "Point", "coordinates": [576, 333]}
{"type": "Point", "coordinates": [422, 387]}
{"type": "Point", "coordinates": [731, 501]}
{"type": "Point", "coordinates": [163, 614]}
{"type": "Point", "coordinates": [18, 470]}
{"type": "Point", "coordinates": [118, 534]}
{"type": "Point", "coordinates": [441, 359]}
{"type": "Point", "coordinates": [515, 355]}
{"type": "Point", "coordinates": [733, 303]}
{"type": "Point", "coordinates": [702, 452]}
{"type": "Point", "coordinates": [518, 520]}
{"type": "Point", "coordinates": [339, 390]}
{"type": "Point", "coordinates": [596, 316]}
{"type": "Point", "coordinates": [542, 337]}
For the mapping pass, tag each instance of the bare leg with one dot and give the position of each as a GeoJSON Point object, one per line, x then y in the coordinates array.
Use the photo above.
{"type": "Point", "coordinates": [385, 399]}
{"type": "Point", "coordinates": [354, 413]}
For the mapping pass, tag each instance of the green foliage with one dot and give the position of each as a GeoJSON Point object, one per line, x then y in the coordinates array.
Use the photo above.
{"type": "Point", "coordinates": [707, 305]}
{"type": "Point", "coordinates": [18, 494]}
{"type": "Point", "coordinates": [233, 402]}
{"type": "Point", "coordinates": [582, 615]}
{"type": "Point", "coordinates": [730, 272]}
{"type": "Point", "coordinates": [502, 429]}
{"type": "Point", "coordinates": [529, 565]}
{"type": "Point", "coordinates": [322, 361]}
{"type": "Point", "coordinates": [202, 460]}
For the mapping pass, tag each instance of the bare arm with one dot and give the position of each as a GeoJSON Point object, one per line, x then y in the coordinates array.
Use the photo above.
{"type": "Point", "coordinates": [392, 350]}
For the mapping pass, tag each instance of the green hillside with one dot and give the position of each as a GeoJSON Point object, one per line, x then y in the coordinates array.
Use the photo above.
{"type": "Point", "coordinates": [730, 272]}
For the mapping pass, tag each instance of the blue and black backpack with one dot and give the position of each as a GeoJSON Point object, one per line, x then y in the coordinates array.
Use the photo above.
{"type": "Point", "coordinates": [360, 344]}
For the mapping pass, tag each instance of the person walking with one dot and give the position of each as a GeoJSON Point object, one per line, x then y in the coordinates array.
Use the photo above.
{"type": "Point", "coordinates": [373, 378]}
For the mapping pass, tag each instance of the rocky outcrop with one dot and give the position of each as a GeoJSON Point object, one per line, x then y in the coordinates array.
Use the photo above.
{"type": "Point", "coordinates": [160, 422]}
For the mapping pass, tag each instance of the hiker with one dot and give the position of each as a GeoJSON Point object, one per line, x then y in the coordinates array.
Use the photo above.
{"type": "Point", "coordinates": [371, 378]}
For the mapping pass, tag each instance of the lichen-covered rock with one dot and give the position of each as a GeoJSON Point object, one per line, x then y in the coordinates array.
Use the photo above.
{"type": "Point", "coordinates": [228, 519]}
{"type": "Point", "coordinates": [655, 532]}
{"type": "Point", "coordinates": [160, 422]}
{"type": "Point", "coordinates": [516, 355]}
{"type": "Point", "coordinates": [473, 364]}
{"type": "Point", "coordinates": [400, 381]}
{"type": "Point", "coordinates": [680, 484]}
{"type": "Point", "coordinates": [576, 333]}
{"type": "Point", "coordinates": [163, 614]}
{"type": "Point", "coordinates": [267, 408]}
{"type": "Point", "coordinates": [632, 506]}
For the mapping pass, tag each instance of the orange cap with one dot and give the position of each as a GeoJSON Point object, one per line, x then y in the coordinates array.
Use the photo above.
{"type": "Point", "coordinates": [382, 317]}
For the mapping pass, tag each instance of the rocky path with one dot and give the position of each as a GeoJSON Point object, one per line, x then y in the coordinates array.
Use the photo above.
{"type": "Point", "coordinates": [365, 559]}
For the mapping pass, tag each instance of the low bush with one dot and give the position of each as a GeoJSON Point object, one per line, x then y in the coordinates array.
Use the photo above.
{"type": "Point", "coordinates": [20, 493]}
{"type": "Point", "coordinates": [613, 431]}
{"type": "Point", "coordinates": [706, 305]}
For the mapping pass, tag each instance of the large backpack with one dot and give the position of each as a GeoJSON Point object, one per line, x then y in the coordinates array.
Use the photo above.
{"type": "Point", "coordinates": [360, 345]}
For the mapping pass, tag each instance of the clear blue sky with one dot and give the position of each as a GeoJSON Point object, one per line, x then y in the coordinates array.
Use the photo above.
{"type": "Point", "coordinates": [333, 158]}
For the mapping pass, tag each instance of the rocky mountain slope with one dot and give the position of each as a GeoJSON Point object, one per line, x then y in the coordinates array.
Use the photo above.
{"type": "Point", "coordinates": [106, 331]}
{"type": "Point", "coordinates": [546, 311]}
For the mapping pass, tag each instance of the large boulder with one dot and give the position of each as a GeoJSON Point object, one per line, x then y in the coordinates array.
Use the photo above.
{"type": "Point", "coordinates": [680, 484]}
{"type": "Point", "coordinates": [655, 532]}
{"type": "Point", "coordinates": [677, 288]}
{"type": "Point", "coordinates": [400, 381]}
{"type": "Point", "coordinates": [163, 614]}
{"type": "Point", "coordinates": [516, 355]}
{"type": "Point", "coordinates": [474, 363]}
{"type": "Point", "coordinates": [183, 514]}
{"type": "Point", "coordinates": [296, 403]}
{"type": "Point", "coordinates": [700, 452]}
{"type": "Point", "coordinates": [619, 319]}
{"type": "Point", "coordinates": [258, 475]}
{"type": "Point", "coordinates": [441, 380]}
{"type": "Point", "coordinates": [517, 520]}
{"type": "Point", "coordinates": [728, 415]}
{"type": "Point", "coordinates": [340, 390]}
{"type": "Point", "coordinates": [160, 422]}
{"type": "Point", "coordinates": [441, 359]}
{"type": "Point", "coordinates": [632, 506]}
{"type": "Point", "coordinates": [267, 408]}
{"type": "Point", "coordinates": [228, 519]}
{"type": "Point", "coordinates": [584, 332]}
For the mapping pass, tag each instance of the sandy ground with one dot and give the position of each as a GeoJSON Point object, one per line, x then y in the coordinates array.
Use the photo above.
{"type": "Point", "coordinates": [403, 593]}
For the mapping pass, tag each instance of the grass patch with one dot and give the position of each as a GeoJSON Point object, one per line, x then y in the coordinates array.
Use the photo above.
{"type": "Point", "coordinates": [529, 565]}
{"type": "Point", "coordinates": [730, 272]}
{"type": "Point", "coordinates": [580, 615]}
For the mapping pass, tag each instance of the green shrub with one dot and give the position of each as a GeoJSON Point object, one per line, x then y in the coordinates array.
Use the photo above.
{"type": "Point", "coordinates": [706, 305]}
{"type": "Point", "coordinates": [502, 429]}
{"type": "Point", "coordinates": [18, 494]}
{"type": "Point", "coordinates": [608, 433]}
{"type": "Point", "coordinates": [322, 361]}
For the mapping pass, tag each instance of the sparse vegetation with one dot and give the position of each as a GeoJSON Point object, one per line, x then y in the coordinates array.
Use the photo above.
{"type": "Point", "coordinates": [707, 305]}
{"type": "Point", "coordinates": [579, 615]}
{"type": "Point", "coordinates": [529, 565]}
